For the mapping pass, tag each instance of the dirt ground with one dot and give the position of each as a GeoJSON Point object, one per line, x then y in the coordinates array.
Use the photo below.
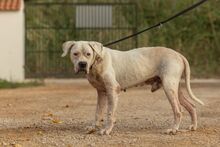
{"type": "Point", "coordinates": [58, 113]}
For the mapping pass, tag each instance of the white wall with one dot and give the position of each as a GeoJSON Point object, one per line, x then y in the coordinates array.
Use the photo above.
{"type": "Point", "coordinates": [12, 46]}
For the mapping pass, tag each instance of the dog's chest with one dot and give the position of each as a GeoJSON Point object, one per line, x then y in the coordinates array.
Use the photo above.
{"type": "Point", "coordinates": [96, 81]}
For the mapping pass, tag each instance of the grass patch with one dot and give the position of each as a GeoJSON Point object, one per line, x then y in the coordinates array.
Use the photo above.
{"type": "Point", "coordinates": [11, 85]}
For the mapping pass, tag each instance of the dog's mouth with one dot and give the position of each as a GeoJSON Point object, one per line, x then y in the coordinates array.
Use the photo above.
{"type": "Point", "coordinates": [82, 70]}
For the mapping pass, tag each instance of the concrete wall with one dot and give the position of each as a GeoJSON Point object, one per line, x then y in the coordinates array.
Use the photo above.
{"type": "Point", "coordinates": [12, 46]}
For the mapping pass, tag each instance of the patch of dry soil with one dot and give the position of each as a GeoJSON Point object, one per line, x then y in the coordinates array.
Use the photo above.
{"type": "Point", "coordinates": [57, 114]}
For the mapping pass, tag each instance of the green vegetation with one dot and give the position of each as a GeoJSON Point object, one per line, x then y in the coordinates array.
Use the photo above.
{"type": "Point", "coordinates": [196, 34]}
{"type": "Point", "coordinates": [6, 85]}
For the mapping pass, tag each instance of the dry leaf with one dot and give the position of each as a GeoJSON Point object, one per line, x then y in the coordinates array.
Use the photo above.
{"type": "Point", "coordinates": [50, 115]}
{"type": "Point", "coordinates": [17, 145]}
{"type": "Point", "coordinates": [56, 121]}
{"type": "Point", "coordinates": [40, 133]}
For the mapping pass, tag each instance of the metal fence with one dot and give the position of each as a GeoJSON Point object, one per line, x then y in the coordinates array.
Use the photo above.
{"type": "Point", "coordinates": [48, 25]}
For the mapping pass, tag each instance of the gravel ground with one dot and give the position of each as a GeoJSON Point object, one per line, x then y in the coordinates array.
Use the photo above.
{"type": "Point", "coordinates": [58, 113]}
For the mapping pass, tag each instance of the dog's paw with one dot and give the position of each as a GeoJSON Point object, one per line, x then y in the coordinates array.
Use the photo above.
{"type": "Point", "coordinates": [192, 127]}
{"type": "Point", "coordinates": [105, 131]}
{"type": "Point", "coordinates": [171, 131]}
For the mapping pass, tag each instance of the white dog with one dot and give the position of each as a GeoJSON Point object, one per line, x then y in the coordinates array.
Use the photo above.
{"type": "Point", "coordinates": [111, 71]}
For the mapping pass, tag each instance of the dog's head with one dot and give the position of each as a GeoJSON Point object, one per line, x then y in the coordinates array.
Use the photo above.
{"type": "Point", "coordinates": [83, 54]}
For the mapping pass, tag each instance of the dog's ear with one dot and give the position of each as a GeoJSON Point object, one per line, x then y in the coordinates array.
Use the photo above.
{"type": "Point", "coordinates": [66, 47]}
{"type": "Point", "coordinates": [97, 48]}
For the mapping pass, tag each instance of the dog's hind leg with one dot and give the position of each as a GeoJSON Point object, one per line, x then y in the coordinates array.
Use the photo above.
{"type": "Point", "coordinates": [170, 86]}
{"type": "Point", "coordinates": [190, 108]}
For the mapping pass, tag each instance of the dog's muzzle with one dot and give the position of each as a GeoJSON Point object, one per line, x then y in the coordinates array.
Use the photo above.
{"type": "Point", "coordinates": [82, 66]}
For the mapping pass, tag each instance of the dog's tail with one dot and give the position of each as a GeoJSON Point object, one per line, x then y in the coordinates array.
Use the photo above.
{"type": "Point", "coordinates": [187, 81]}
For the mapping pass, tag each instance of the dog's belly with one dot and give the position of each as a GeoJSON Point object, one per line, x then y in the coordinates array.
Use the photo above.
{"type": "Point", "coordinates": [133, 77]}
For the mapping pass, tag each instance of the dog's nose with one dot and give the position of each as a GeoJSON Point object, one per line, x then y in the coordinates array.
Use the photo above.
{"type": "Point", "coordinates": [82, 64]}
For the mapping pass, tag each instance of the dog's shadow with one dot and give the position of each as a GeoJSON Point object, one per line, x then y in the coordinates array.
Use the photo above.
{"type": "Point", "coordinates": [79, 127]}
{"type": "Point", "coordinates": [43, 128]}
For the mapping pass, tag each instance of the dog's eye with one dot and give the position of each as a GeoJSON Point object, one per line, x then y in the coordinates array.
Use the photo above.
{"type": "Point", "coordinates": [75, 54]}
{"type": "Point", "coordinates": [88, 54]}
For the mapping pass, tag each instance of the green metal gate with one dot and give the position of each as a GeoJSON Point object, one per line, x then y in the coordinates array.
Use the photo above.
{"type": "Point", "coordinates": [48, 25]}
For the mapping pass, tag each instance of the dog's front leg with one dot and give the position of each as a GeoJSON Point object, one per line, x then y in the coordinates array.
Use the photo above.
{"type": "Point", "coordinates": [112, 91]}
{"type": "Point", "coordinates": [100, 109]}
{"type": "Point", "coordinates": [112, 100]}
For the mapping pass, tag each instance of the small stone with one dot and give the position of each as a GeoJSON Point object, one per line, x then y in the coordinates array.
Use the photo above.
{"type": "Point", "coordinates": [9, 105]}
{"type": "Point", "coordinates": [136, 118]}
{"type": "Point", "coordinates": [91, 145]}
